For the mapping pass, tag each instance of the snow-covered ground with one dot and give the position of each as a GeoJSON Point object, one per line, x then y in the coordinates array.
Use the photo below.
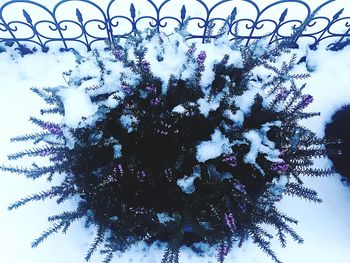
{"type": "Point", "coordinates": [324, 226]}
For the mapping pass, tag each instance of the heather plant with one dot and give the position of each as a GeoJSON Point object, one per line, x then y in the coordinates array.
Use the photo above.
{"type": "Point", "coordinates": [180, 145]}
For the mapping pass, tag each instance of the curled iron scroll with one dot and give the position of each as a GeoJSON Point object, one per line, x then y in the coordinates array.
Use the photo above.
{"type": "Point", "coordinates": [109, 22]}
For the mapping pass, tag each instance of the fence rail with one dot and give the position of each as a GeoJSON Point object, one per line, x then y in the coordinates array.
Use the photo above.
{"type": "Point", "coordinates": [29, 27]}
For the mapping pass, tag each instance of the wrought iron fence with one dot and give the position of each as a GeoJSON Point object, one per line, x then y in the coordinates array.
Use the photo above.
{"type": "Point", "coordinates": [29, 26]}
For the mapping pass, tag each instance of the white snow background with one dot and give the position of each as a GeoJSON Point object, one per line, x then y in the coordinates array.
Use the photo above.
{"type": "Point", "coordinates": [324, 227]}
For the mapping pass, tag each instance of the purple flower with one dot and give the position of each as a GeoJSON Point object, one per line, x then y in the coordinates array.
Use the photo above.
{"type": "Point", "coordinates": [282, 153]}
{"type": "Point", "coordinates": [126, 89]}
{"type": "Point", "coordinates": [282, 94]}
{"type": "Point", "coordinates": [151, 89]}
{"type": "Point", "coordinates": [200, 61]}
{"type": "Point", "coordinates": [307, 99]}
{"type": "Point", "coordinates": [118, 170]}
{"type": "Point", "coordinates": [202, 56]}
{"type": "Point", "coordinates": [222, 251]}
{"type": "Point", "coordinates": [192, 49]}
{"type": "Point", "coordinates": [280, 167]}
{"type": "Point", "coordinates": [230, 221]}
{"type": "Point", "coordinates": [145, 65]}
{"type": "Point", "coordinates": [121, 170]}
{"type": "Point", "coordinates": [230, 160]}
{"type": "Point", "coordinates": [118, 54]}
{"type": "Point", "coordinates": [240, 187]}
{"type": "Point", "coordinates": [155, 101]}
{"type": "Point", "coordinates": [53, 129]}
{"type": "Point", "coordinates": [303, 103]}
{"type": "Point", "coordinates": [128, 106]}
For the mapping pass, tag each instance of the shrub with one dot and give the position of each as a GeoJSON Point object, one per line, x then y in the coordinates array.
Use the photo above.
{"type": "Point", "coordinates": [176, 144]}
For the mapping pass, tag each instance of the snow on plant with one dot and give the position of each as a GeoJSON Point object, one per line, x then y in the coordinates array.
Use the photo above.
{"type": "Point", "coordinates": [167, 140]}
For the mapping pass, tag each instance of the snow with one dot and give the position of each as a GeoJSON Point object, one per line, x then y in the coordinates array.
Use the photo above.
{"type": "Point", "coordinates": [114, 218]}
{"type": "Point", "coordinates": [179, 109]}
{"type": "Point", "coordinates": [205, 106]}
{"type": "Point", "coordinates": [217, 146]}
{"type": "Point", "coordinates": [171, 57]}
{"type": "Point", "coordinates": [255, 147]}
{"type": "Point", "coordinates": [237, 118]}
{"type": "Point", "coordinates": [164, 218]}
{"type": "Point", "coordinates": [215, 53]}
{"type": "Point", "coordinates": [72, 97]}
{"type": "Point", "coordinates": [246, 100]}
{"type": "Point", "coordinates": [259, 143]}
{"type": "Point", "coordinates": [324, 227]}
{"type": "Point", "coordinates": [255, 140]}
{"type": "Point", "coordinates": [279, 185]}
{"type": "Point", "coordinates": [17, 103]}
{"type": "Point", "coordinates": [329, 85]}
{"type": "Point", "coordinates": [127, 121]}
{"type": "Point", "coordinates": [265, 128]}
{"type": "Point", "coordinates": [167, 59]}
{"type": "Point", "coordinates": [87, 68]}
{"type": "Point", "coordinates": [187, 182]}
{"type": "Point", "coordinates": [117, 151]}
